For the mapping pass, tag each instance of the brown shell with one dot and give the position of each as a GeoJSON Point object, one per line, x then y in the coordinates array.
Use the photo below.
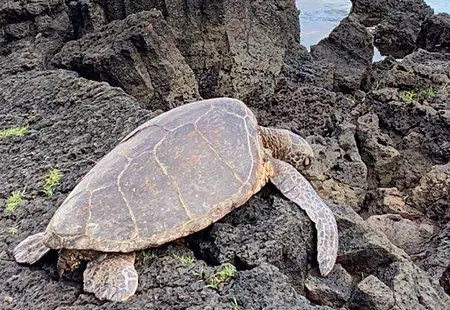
{"type": "Point", "coordinates": [172, 176]}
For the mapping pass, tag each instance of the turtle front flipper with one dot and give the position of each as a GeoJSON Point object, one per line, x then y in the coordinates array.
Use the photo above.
{"type": "Point", "coordinates": [31, 249]}
{"type": "Point", "coordinates": [295, 187]}
{"type": "Point", "coordinates": [111, 277]}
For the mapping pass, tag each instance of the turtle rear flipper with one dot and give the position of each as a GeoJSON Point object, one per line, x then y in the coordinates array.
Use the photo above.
{"type": "Point", "coordinates": [31, 249]}
{"type": "Point", "coordinates": [295, 187]}
{"type": "Point", "coordinates": [111, 277]}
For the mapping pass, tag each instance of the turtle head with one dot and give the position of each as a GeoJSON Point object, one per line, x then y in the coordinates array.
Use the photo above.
{"type": "Point", "coordinates": [300, 153]}
{"type": "Point", "coordinates": [287, 146]}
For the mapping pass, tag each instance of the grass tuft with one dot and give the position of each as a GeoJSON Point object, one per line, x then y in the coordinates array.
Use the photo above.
{"type": "Point", "coordinates": [184, 259]}
{"type": "Point", "coordinates": [430, 93]}
{"type": "Point", "coordinates": [52, 179]}
{"type": "Point", "coordinates": [17, 131]}
{"type": "Point", "coordinates": [200, 275]}
{"type": "Point", "coordinates": [146, 255]}
{"type": "Point", "coordinates": [234, 304]}
{"type": "Point", "coordinates": [223, 275]}
{"type": "Point", "coordinates": [409, 95]}
{"type": "Point", "coordinates": [14, 201]}
{"type": "Point", "coordinates": [13, 230]}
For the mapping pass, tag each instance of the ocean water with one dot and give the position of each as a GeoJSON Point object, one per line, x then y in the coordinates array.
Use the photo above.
{"type": "Point", "coordinates": [319, 17]}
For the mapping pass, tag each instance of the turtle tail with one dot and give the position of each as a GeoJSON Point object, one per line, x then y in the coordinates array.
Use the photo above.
{"type": "Point", "coordinates": [31, 249]}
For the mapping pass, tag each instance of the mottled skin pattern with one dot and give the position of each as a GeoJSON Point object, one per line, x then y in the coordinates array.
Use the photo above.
{"type": "Point", "coordinates": [174, 175]}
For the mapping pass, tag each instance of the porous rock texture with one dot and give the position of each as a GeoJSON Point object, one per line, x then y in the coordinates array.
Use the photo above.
{"type": "Point", "coordinates": [350, 47]}
{"type": "Point", "coordinates": [82, 74]}
{"type": "Point", "coordinates": [435, 33]}
{"type": "Point", "coordinates": [396, 23]}
{"type": "Point", "coordinates": [137, 54]}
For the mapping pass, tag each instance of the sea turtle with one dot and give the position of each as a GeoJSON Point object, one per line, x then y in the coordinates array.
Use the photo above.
{"type": "Point", "coordinates": [172, 176]}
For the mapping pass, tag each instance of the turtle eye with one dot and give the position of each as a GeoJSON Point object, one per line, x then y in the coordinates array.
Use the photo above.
{"type": "Point", "coordinates": [307, 161]}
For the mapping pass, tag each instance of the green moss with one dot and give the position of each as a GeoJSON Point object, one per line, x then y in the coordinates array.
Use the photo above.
{"type": "Point", "coordinates": [52, 179]}
{"type": "Point", "coordinates": [17, 131]}
{"type": "Point", "coordinates": [14, 201]}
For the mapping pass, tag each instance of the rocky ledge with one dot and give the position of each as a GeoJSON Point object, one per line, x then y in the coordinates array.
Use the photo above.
{"type": "Point", "coordinates": [80, 75]}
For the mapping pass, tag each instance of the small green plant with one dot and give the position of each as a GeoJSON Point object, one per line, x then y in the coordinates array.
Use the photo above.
{"type": "Point", "coordinates": [184, 259]}
{"type": "Point", "coordinates": [430, 93]}
{"type": "Point", "coordinates": [52, 179]}
{"type": "Point", "coordinates": [409, 95]}
{"type": "Point", "coordinates": [234, 304]}
{"type": "Point", "coordinates": [13, 230]}
{"type": "Point", "coordinates": [200, 275]}
{"type": "Point", "coordinates": [213, 282]}
{"type": "Point", "coordinates": [146, 255]}
{"type": "Point", "coordinates": [224, 274]}
{"type": "Point", "coordinates": [14, 201]}
{"type": "Point", "coordinates": [17, 131]}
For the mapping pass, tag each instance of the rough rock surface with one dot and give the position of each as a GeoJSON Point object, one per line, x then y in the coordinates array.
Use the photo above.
{"type": "Point", "coordinates": [396, 23]}
{"type": "Point", "coordinates": [350, 47]}
{"type": "Point", "coordinates": [137, 54]}
{"type": "Point", "coordinates": [231, 45]}
{"type": "Point", "coordinates": [381, 148]}
{"type": "Point", "coordinates": [434, 189]}
{"type": "Point", "coordinates": [388, 201]}
{"type": "Point", "coordinates": [404, 233]}
{"type": "Point", "coordinates": [435, 34]}
{"type": "Point", "coordinates": [433, 257]}
{"type": "Point", "coordinates": [371, 293]}
{"type": "Point", "coordinates": [31, 31]}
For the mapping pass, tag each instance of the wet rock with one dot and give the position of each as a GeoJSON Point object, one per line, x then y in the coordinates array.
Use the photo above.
{"type": "Point", "coordinates": [139, 55]}
{"type": "Point", "coordinates": [397, 23]}
{"type": "Point", "coordinates": [24, 287]}
{"type": "Point", "coordinates": [333, 290]}
{"type": "Point", "coordinates": [431, 195]}
{"type": "Point", "coordinates": [349, 48]}
{"type": "Point", "coordinates": [404, 233]}
{"type": "Point", "coordinates": [388, 200]}
{"type": "Point", "coordinates": [435, 34]}
{"type": "Point", "coordinates": [372, 294]}
{"type": "Point", "coordinates": [372, 12]}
